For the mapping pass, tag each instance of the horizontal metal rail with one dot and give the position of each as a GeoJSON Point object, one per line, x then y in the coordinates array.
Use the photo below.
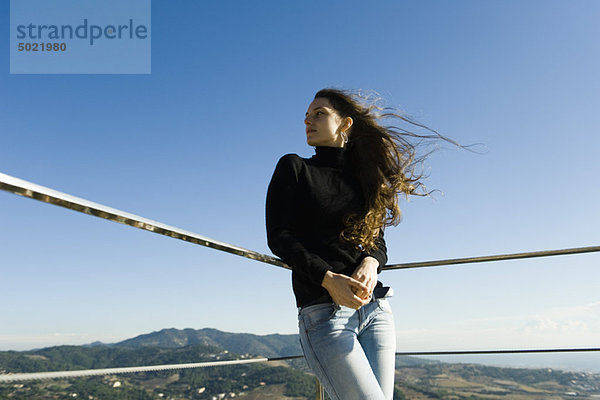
{"type": "Point", "coordinates": [507, 351]}
{"type": "Point", "coordinates": [47, 195]}
{"type": "Point", "coordinates": [500, 257]}
{"type": "Point", "coordinates": [124, 370]}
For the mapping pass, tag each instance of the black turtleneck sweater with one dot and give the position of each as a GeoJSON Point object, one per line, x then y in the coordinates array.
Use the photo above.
{"type": "Point", "coordinates": [307, 201]}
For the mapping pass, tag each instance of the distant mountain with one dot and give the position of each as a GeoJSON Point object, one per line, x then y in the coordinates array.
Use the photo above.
{"type": "Point", "coordinates": [89, 357]}
{"type": "Point", "coordinates": [241, 343]}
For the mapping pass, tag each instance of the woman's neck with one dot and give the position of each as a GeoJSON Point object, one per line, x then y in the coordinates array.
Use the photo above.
{"type": "Point", "coordinates": [330, 156]}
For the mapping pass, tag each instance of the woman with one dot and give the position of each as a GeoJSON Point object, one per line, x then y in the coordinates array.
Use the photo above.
{"type": "Point", "coordinates": [325, 217]}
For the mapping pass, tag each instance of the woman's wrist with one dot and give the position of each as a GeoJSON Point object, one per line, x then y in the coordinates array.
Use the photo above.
{"type": "Point", "coordinates": [326, 279]}
{"type": "Point", "coordinates": [370, 261]}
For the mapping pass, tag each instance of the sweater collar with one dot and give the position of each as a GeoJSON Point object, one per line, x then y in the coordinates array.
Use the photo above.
{"type": "Point", "coordinates": [330, 156]}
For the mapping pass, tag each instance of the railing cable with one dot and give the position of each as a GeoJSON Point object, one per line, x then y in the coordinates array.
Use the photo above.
{"type": "Point", "coordinates": [11, 377]}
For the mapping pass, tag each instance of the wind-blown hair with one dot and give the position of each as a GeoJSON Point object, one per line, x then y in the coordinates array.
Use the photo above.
{"type": "Point", "coordinates": [383, 159]}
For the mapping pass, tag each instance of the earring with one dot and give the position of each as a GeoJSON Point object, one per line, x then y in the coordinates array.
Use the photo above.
{"type": "Point", "coordinates": [344, 137]}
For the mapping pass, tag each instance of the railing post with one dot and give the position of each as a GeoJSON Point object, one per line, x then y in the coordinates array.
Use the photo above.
{"type": "Point", "coordinates": [320, 391]}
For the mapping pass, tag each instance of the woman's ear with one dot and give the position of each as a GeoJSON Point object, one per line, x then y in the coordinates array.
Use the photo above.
{"type": "Point", "coordinates": [348, 121]}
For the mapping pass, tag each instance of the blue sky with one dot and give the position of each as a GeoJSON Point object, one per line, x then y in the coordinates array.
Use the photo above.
{"type": "Point", "coordinates": [194, 144]}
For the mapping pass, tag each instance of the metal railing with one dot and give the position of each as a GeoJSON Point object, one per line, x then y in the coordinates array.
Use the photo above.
{"type": "Point", "coordinates": [28, 376]}
{"type": "Point", "coordinates": [47, 195]}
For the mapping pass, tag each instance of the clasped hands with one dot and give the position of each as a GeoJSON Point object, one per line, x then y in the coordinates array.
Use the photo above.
{"type": "Point", "coordinates": [353, 291]}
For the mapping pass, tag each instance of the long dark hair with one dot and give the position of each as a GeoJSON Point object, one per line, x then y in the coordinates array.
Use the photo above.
{"type": "Point", "coordinates": [383, 159]}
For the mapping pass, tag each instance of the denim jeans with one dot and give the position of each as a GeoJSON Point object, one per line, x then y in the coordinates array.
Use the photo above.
{"type": "Point", "coordinates": [352, 352]}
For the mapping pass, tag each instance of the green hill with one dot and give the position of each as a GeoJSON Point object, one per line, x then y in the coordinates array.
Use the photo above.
{"type": "Point", "coordinates": [241, 343]}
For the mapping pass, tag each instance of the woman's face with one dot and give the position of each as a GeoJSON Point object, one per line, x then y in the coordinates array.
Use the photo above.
{"type": "Point", "coordinates": [324, 125]}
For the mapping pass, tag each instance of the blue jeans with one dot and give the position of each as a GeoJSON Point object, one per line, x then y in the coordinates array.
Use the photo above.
{"type": "Point", "coordinates": [352, 352]}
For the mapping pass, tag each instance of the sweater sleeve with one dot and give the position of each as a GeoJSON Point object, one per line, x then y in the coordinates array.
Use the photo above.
{"type": "Point", "coordinates": [379, 252]}
{"type": "Point", "coordinates": [281, 203]}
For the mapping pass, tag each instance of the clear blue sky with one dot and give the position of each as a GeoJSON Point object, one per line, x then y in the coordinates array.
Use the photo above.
{"type": "Point", "coordinates": [194, 145]}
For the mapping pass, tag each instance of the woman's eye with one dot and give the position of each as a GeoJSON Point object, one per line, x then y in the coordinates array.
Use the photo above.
{"type": "Point", "coordinates": [318, 113]}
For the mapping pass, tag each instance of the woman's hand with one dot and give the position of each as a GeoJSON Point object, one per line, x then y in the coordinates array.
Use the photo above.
{"type": "Point", "coordinates": [366, 273]}
{"type": "Point", "coordinates": [341, 288]}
